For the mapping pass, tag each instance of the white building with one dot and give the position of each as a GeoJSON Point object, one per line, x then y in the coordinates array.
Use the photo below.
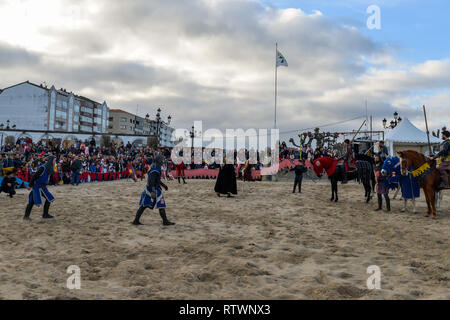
{"type": "Point", "coordinates": [165, 133]}
{"type": "Point", "coordinates": [35, 107]}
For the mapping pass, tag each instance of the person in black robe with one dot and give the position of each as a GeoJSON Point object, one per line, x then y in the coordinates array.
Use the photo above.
{"type": "Point", "coordinates": [226, 181]}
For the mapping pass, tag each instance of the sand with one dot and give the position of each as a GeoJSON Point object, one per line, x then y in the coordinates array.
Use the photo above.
{"type": "Point", "coordinates": [267, 243]}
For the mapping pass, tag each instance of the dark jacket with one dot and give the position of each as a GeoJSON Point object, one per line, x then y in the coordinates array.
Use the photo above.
{"type": "Point", "coordinates": [4, 187]}
{"type": "Point", "coordinates": [8, 163]}
{"type": "Point", "coordinates": [445, 152]}
{"type": "Point", "coordinates": [300, 170]}
{"type": "Point", "coordinates": [154, 180]}
{"type": "Point", "coordinates": [76, 165]}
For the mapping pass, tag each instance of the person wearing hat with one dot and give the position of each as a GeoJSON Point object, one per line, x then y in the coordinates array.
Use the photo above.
{"type": "Point", "coordinates": [152, 195]}
{"type": "Point", "coordinates": [38, 186]}
{"type": "Point", "coordinates": [444, 154]}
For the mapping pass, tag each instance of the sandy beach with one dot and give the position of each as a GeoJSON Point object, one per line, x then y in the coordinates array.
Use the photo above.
{"type": "Point", "coordinates": [266, 243]}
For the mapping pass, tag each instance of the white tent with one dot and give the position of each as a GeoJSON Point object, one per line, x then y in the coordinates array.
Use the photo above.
{"type": "Point", "coordinates": [408, 136]}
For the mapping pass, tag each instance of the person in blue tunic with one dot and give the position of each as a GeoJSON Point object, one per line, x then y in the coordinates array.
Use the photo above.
{"type": "Point", "coordinates": [152, 196]}
{"type": "Point", "coordinates": [38, 186]}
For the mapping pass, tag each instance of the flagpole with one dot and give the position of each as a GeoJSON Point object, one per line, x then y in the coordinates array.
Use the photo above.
{"type": "Point", "coordinates": [276, 81]}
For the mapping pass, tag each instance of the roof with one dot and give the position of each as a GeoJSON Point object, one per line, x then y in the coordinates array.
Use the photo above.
{"type": "Point", "coordinates": [406, 132]}
{"type": "Point", "coordinates": [120, 111]}
{"type": "Point", "coordinates": [28, 82]}
{"type": "Point", "coordinates": [60, 91]}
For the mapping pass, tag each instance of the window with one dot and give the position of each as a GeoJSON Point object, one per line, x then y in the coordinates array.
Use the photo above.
{"type": "Point", "coordinates": [61, 104]}
{"type": "Point", "coordinates": [87, 110]}
{"type": "Point", "coordinates": [111, 119]}
{"type": "Point", "coordinates": [77, 108]}
{"type": "Point", "coordinates": [60, 125]}
{"type": "Point", "coordinates": [123, 127]}
{"type": "Point", "coordinates": [75, 127]}
{"type": "Point", "coordinates": [86, 119]}
{"type": "Point", "coordinates": [76, 119]}
{"type": "Point", "coordinates": [123, 119]}
{"type": "Point", "coordinates": [86, 128]}
{"type": "Point", "coordinates": [61, 114]}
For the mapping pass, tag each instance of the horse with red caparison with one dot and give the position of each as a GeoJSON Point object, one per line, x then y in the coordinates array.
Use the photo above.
{"type": "Point", "coordinates": [363, 173]}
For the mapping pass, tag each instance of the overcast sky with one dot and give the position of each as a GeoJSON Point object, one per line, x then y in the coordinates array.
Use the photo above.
{"type": "Point", "coordinates": [213, 60]}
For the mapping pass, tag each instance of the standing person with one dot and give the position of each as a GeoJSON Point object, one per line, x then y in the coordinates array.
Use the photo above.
{"type": "Point", "coordinates": [180, 172]}
{"type": "Point", "coordinates": [76, 168]}
{"type": "Point", "coordinates": [8, 163]}
{"type": "Point", "coordinates": [38, 187]}
{"type": "Point", "coordinates": [300, 169]}
{"type": "Point", "coordinates": [381, 186]}
{"type": "Point", "coordinates": [152, 195]}
{"type": "Point", "coordinates": [444, 155]}
{"type": "Point", "coordinates": [226, 181]}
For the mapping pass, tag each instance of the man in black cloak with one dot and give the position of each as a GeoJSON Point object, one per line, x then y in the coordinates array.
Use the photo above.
{"type": "Point", "coordinates": [226, 181]}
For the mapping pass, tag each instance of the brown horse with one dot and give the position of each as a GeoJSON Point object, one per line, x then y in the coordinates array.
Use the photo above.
{"type": "Point", "coordinates": [426, 173]}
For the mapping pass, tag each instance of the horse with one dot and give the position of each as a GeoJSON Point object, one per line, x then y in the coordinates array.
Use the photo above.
{"type": "Point", "coordinates": [427, 174]}
{"type": "Point", "coordinates": [363, 173]}
{"type": "Point", "coordinates": [409, 186]}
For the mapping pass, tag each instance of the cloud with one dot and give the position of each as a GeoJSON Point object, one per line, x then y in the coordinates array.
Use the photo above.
{"type": "Point", "coordinates": [213, 60]}
{"type": "Point", "coordinates": [11, 56]}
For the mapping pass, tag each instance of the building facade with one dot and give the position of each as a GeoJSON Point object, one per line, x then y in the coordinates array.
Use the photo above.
{"type": "Point", "coordinates": [36, 107]}
{"type": "Point", "coordinates": [123, 122]}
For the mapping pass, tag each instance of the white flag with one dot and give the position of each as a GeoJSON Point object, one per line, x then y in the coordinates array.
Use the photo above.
{"type": "Point", "coordinates": [281, 60]}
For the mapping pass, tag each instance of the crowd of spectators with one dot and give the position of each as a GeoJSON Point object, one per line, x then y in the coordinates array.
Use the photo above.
{"type": "Point", "coordinates": [81, 162]}
{"type": "Point", "coordinates": [306, 153]}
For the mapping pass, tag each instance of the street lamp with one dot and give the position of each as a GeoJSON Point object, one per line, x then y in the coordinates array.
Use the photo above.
{"type": "Point", "coordinates": [394, 123]}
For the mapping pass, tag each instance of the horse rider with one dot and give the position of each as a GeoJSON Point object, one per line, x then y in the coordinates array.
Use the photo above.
{"type": "Point", "coordinates": [444, 154]}
{"type": "Point", "coordinates": [348, 158]}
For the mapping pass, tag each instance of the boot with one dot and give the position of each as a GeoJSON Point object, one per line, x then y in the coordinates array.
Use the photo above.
{"type": "Point", "coordinates": [388, 204]}
{"type": "Point", "coordinates": [46, 208]}
{"type": "Point", "coordinates": [380, 203]}
{"type": "Point", "coordinates": [184, 181]}
{"type": "Point", "coordinates": [136, 221]}
{"type": "Point", "coordinates": [444, 182]}
{"type": "Point", "coordinates": [179, 181]}
{"type": "Point", "coordinates": [28, 212]}
{"type": "Point", "coordinates": [166, 222]}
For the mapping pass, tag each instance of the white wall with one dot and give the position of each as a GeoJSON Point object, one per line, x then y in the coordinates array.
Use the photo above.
{"type": "Point", "coordinates": [25, 106]}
